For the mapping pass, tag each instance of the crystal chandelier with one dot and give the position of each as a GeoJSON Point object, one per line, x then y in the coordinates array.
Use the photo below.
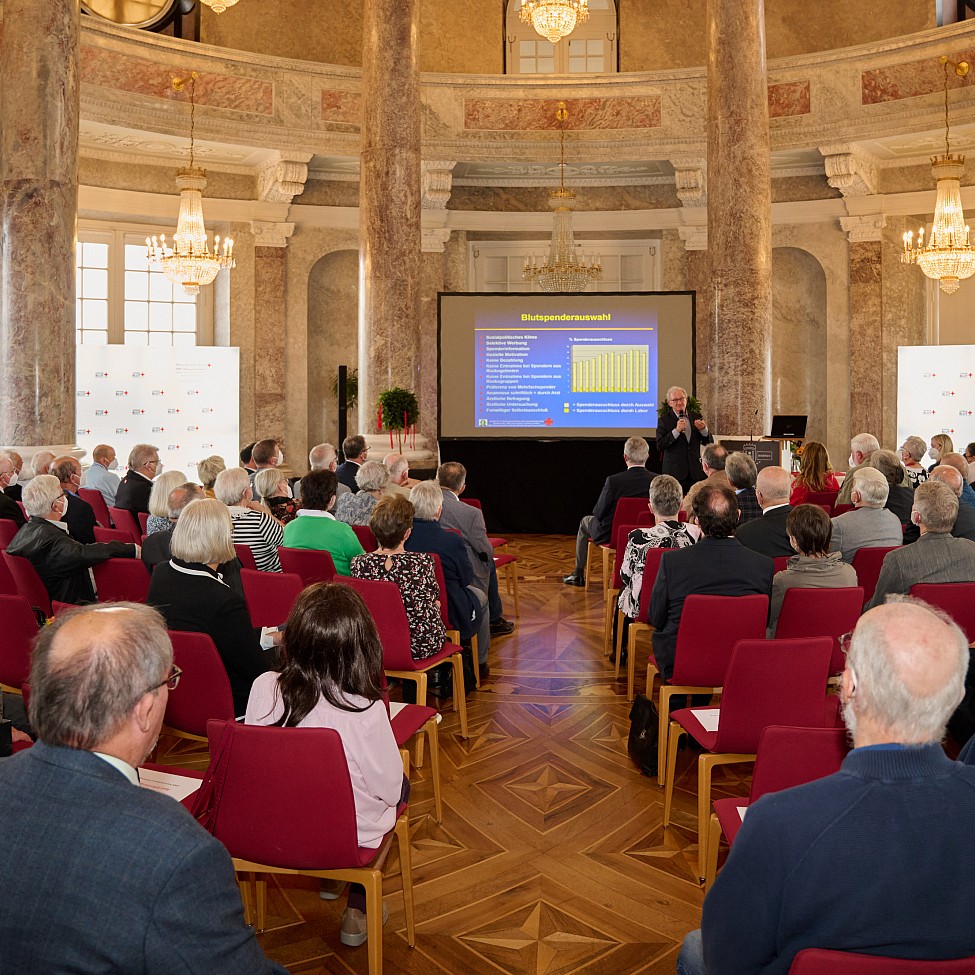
{"type": "Point", "coordinates": [189, 262]}
{"type": "Point", "coordinates": [948, 256]}
{"type": "Point", "coordinates": [554, 19]}
{"type": "Point", "coordinates": [563, 271]}
{"type": "Point", "coordinates": [219, 6]}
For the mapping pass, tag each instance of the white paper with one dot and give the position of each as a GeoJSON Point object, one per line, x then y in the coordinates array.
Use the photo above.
{"type": "Point", "coordinates": [708, 717]}
{"type": "Point", "coordinates": [741, 812]}
{"type": "Point", "coordinates": [395, 707]}
{"type": "Point", "coordinates": [177, 786]}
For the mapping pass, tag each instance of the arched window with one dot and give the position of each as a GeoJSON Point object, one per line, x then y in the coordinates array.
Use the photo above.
{"type": "Point", "coordinates": [591, 48]}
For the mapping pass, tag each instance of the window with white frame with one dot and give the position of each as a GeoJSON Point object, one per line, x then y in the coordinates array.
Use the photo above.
{"type": "Point", "coordinates": [590, 49]}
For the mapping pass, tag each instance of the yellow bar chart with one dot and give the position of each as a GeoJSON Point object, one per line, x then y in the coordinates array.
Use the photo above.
{"type": "Point", "coordinates": [610, 368]}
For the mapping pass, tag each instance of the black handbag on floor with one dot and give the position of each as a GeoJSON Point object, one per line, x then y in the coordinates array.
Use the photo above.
{"type": "Point", "coordinates": [644, 729]}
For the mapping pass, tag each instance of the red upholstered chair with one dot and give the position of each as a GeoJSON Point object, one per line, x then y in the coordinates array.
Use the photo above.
{"type": "Point", "coordinates": [818, 961]}
{"type": "Point", "coordinates": [710, 627]}
{"type": "Point", "coordinates": [121, 579]}
{"type": "Point", "coordinates": [8, 586]}
{"type": "Point", "coordinates": [97, 501]}
{"type": "Point", "coordinates": [786, 757]}
{"type": "Point", "coordinates": [301, 820]}
{"type": "Point", "coordinates": [23, 510]}
{"type": "Point", "coordinates": [820, 612]}
{"type": "Point", "coordinates": [613, 593]}
{"type": "Point", "coordinates": [310, 564]}
{"type": "Point", "coordinates": [366, 538]}
{"type": "Point", "coordinates": [19, 629]}
{"type": "Point", "coordinates": [143, 522]}
{"type": "Point", "coordinates": [125, 521]}
{"type": "Point", "coordinates": [641, 624]}
{"type": "Point", "coordinates": [111, 535]}
{"type": "Point", "coordinates": [29, 583]}
{"type": "Point", "coordinates": [8, 529]}
{"type": "Point", "coordinates": [867, 563]}
{"type": "Point", "coordinates": [408, 720]}
{"type": "Point", "coordinates": [626, 513]}
{"type": "Point", "coordinates": [781, 562]}
{"type": "Point", "coordinates": [957, 599]}
{"type": "Point", "coordinates": [842, 509]}
{"type": "Point", "coordinates": [203, 692]}
{"type": "Point", "coordinates": [508, 565]}
{"type": "Point", "coordinates": [385, 605]}
{"type": "Point", "coordinates": [452, 634]}
{"type": "Point", "coordinates": [825, 499]}
{"type": "Point", "coordinates": [245, 556]}
{"type": "Point", "coordinates": [767, 682]}
{"type": "Point", "coordinates": [270, 595]}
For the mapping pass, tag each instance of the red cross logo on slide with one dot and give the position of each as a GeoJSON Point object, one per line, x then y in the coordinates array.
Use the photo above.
{"type": "Point", "coordinates": [549, 421]}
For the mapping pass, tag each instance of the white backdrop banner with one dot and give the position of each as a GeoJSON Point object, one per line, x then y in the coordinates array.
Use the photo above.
{"type": "Point", "coordinates": [936, 393]}
{"type": "Point", "coordinates": [184, 401]}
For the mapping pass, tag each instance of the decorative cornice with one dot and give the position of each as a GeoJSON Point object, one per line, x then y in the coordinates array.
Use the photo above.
{"type": "Point", "coordinates": [866, 227]}
{"type": "Point", "coordinates": [434, 240]}
{"type": "Point", "coordinates": [283, 177]}
{"type": "Point", "coordinates": [690, 176]}
{"type": "Point", "coordinates": [436, 177]}
{"type": "Point", "coordinates": [694, 236]}
{"type": "Point", "coordinates": [850, 169]}
{"type": "Point", "coordinates": [271, 234]}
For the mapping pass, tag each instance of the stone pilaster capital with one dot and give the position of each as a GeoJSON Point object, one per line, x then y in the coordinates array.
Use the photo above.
{"type": "Point", "coordinates": [283, 176]}
{"type": "Point", "coordinates": [850, 169]}
{"type": "Point", "coordinates": [437, 178]}
{"type": "Point", "coordinates": [271, 234]}
{"type": "Point", "coordinates": [695, 237]}
{"type": "Point", "coordinates": [690, 176]}
{"type": "Point", "coordinates": [865, 227]}
{"type": "Point", "coordinates": [434, 240]}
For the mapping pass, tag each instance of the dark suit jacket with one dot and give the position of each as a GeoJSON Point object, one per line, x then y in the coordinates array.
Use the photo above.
{"type": "Point", "coordinates": [634, 482]}
{"type": "Point", "coordinates": [680, 458]}
{"type": "Point", "coordinates": [155, 549]}
{"type": "Point", "coordinates": [15, 492]}
{"type": "Point", "coordinates": [900, 500]}
{"type": "Point", "coordinates": [139, 886]}
{"type": "Point", "coordinates": [133, 493]}
{"type": "Point", "coordinates": [712, 567]}
{"type": "Point", "coordinates": [965, 523]}
{"type": "Point", "coordinates": [767, 535]}
{"type": "Point", "coordinates": [346, 472]}
{"type": "Point", "coordinates": [748, 505]}
{"type": "Point", "coordinates": [80, 519]}
{"type": "Point", "coordinates": [10, 510]}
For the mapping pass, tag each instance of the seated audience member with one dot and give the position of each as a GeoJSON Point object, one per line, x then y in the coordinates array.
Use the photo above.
{"type": "Point", "coordinates": [9, 509]}
{"type": "Point", "coordinates": [970, 457]}
{"type": "Point", "coordinates": [911, 452]}
{"type": "Point", "coordinates": [207, 471]}
{"type": "Point", "coordinates": [80, 516]}
{"type": "Point", "coordinates": [413, 573]}
{"type": "Point", "coordinates": [941, 444]}
{"type": "Point", "coordinates": [247, 457]}
{"type": "Point", "coordinates": [356, 509]}
{"type": "Point", "coordinates": [400, 481]}
{"type": "Point", "coordinates": [861, 447]}
{"type": "Point", "coordinates": [899, 497]}
{"type": "Point", "coordinates": [323, 457]}
{"type": "Point", "coordinates": [158, 520]}
{"type": "Point", "coordinates": [253, 525]}
{"type": "Point", "coordinates": [264, 455]}
{"type": "Point", "coordinates": [191, 595]}
{"type": "Point", "coordinates": [139, 886]}
{"type": "Point", "coordinates": [718, 565]}
{"type": "Point", "coordinates": [767, 535]}
{"type": "Point", "coordinates": [667, 532]}
{"type": "Point", "coordinates": [41, 462]}
{"type": "Point", "coordinates": [272, 489]}
{"type": "Point", "coordinates": [466, 604]}
{"type": "Point", "coordinates": [144, 466]}
{"type": "Point", "coordinates": [101, 475]}
{"type": "Point", "coordinates": [356, 453]}
{"type": "Point", "coordinates": [713, 460]}
{"type": "Point", "coordinates": [14, 489]}
{"type": "Point", "coordinates": [633, 482]}
{"type": "Point", "coordinates": [815, 474]}
{"type": "Point", "coordinates": [823, 865]}
{"type": "Point", "coordinates": [813, 566]}
{"type": "Point", "coordinates": [936, 556]}
{"type": "Point", "coordinates": [870, 524]}
{"type": "Point", "coordinates": [332, 678]}
{"type": "Point", "coordinates": [964, 526]}
{"type": "Point", "coordinates": [60, 561]}
{"type": "Point", "coordinates": [314, 525]}
{"type": "Point", "coordinates": [952, 459]}
{"type": "Point", "coordinates": [742, 473]}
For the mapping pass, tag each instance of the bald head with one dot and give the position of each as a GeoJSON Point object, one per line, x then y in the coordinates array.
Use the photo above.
{"type": "Point", "coordinates": [322, 457]}
{"type": "Point", "coordinates": [948, 475]}
{"type": "Point", "coordinates": [772, 486]}
{"type": "Point", "coordinates": [398, 467]}
{"type": "Point", "coordinates": [959, 463]}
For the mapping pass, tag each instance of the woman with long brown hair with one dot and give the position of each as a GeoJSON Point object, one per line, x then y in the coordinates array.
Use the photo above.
{"type": "Point", "coordinates": [815, 474]}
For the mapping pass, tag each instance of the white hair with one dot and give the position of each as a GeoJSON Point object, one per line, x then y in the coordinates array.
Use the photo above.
{"type": "Point", "coordinates": [427, 499]}
{"type": "Point", "coordinates": [872, 486]}
{"type": "Point", "coordinates": [865, 443]}
{"type": "Point", "coordinates": [231, 485]}
{"type": "Point", "coordinates": [637, 450]}
{"type": "Point", "coordinates": [40, 493]}
{"type": "Point", "coordinates": [321, 456]}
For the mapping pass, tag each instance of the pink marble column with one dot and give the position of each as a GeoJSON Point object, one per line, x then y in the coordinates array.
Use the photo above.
{"type": "Point", "coordinates": [39, 106]}
{"type": "Point", "coordinates": [389, 203]}
{"type": "Point", "coordinates": [739, 305]}
{"type": "Point", "coordinates": [866, 338]}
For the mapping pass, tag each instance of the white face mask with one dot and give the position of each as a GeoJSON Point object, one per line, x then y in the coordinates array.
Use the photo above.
{"type": "Point", "coordinates": [851, 461]}
{"type": "Point", "coordinates": [935, 453]}
{"type": "Point", "coordinates": [113, 466]}
{"type": "Point", "coordinates": [280, 458]}
{"type": "Point", "coordinates": [61, 508]}
{"type": "Point", "coordinates": [287, 491]}
{"type": "Point", "coordinates": [13, 479]}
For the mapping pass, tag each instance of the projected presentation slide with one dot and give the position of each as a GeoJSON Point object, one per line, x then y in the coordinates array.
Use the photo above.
{"type": "Point", "coordinates": [581, 365]}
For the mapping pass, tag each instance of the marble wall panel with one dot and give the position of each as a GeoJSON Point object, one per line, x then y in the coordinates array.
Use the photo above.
{"type": "Point", "coordinates": [636, 112]}
{"type": "Point", "coordinates": [330, 193]}
{"type": "Point", "coordinates": [270, 314]}
{"type": "Point", "coordinates": [866, 337]}
{"type": "Point", "coordinates": [526, 199]}
{"type": "Point", "coordinates": [786, 189]}
{"type": "Point", "coordinates": [910, 79]}
{"type": "Point", "coordinates": [339, 105]}
{"type": "Point", "coordinates": [788, 98]}
{"type": "Point", "coordinates": [111, 174]}
{"type": "Point", "coordinates": [908, 179]}
{"type": "Point", "coordinates": [234, 324]}
{"type": "Point", "coordinates": [432, 280]}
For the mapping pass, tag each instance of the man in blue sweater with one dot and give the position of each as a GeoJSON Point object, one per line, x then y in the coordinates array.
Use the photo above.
{"type": "Point", "coordinates": [878, 858]}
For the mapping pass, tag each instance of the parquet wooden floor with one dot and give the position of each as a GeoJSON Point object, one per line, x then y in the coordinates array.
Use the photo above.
{"type": "Point", "coordinates": [551, 859]}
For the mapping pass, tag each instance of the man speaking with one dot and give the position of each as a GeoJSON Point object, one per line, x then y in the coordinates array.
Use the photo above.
{"type": "Point", "coordinates": [680, 436]}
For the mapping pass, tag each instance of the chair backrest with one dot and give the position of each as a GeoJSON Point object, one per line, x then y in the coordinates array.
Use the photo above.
{"type": "Point", "coordinates": [23, 509]}
{"type": "Point", "coordinates": [270, 595]}
{"type": "Point", "coordinates": [957, 599]}
{"type": "Point", "coordinates": [781, 562]}
{"type": "Point", "coordinates": [619, 544]}
{"type": "Point", "coordinates": [820, 612]}
{"type": "Point", "coordinates": [246, 556]}
{"type": "Point", "coordinates": [8, 585]}
{"type": "Point", "coordinates": [710, 626]}
{"type": "Point", "coordinates": [121, 579]}
{"type": "Point", "coordinates": [28, 582]}
{"type": "Point", "coordinates": [143, 522]}
{"type": "Point", "coordinates": [111, 535]}
{"type": "Point", "coordinates": [124, 521]}
{"type": "Point", "coordinates": [385, 605]}
{"type": "Point", "coordinates": [19, 629]}
{"type": "Point", "coordinates": [303, 814]}
{"type": "Point", "coordinates": [867, 563]}
{"type": "Point", "coordinates": [366, 538]}
{"type": "Point", "coordinates": [311, 564]}
{"type": "Point", "coordinates": [203, 691]}
{"type": "Point", "coordinates": [842, 509]}
{"type": "Point", "coordinates": [97, 501]}
{"type": "Point", "coordinates": [650, 568]}
{"type": "Point", "coordinates": [473, 502]}
{"type": "Point", "coordinates": [626, 513]}
{"type": "Point", "coordinates": [819, 961]}
{"type": "Point", "coordinates": [8, 529]}
{"type": "Point", "coordinates": [788, 757]}
{"type": "Point", "coordinates": [772, 682]}
{"type": "Point", "coordinates": [442, 583]}
{"type": "Point", "coordinates": [825, 499]}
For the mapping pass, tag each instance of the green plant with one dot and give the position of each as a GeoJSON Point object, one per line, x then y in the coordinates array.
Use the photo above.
{"type": "Point", "coordinates": [693, 406]}
{"type": "Point", "coordinates": [399, 410]}
{"type": "Point", "coordinates": [351, 388]}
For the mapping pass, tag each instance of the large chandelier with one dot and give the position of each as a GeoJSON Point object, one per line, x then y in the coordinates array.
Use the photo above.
{"type": "Point", "coordinates": [554, 19]}
{"type": "Point", "coordinates": [563, 271]}
{"type": "Point", "coordinates": [189, 261]}
{"type": "Point", "coordinates": [948, 256]}
{"type": "Point", "coordinates": [219, 6]}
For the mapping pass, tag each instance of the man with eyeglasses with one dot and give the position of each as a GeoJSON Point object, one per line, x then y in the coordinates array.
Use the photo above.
{"type": "Point", "coordinates": [79, 515]}
{"type": "Point", "coordinates": [98, 874]}
{"type": "Point", "coordinates": [144, 465]}
{"type": "Point", "coordinates": [680, 436]}
{"type": "Point", "coordinates": [356, 452]}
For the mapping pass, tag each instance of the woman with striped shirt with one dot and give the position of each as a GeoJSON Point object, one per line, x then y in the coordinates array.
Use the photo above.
{"type": "Point", "coordinates": [253, 526]}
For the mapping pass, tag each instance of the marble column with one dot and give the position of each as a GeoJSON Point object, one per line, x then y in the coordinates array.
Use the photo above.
{"type": "Point", "coordinates": [739, 303]}
{"type": "Point", "coordinates": [39, 107]}
{"type": "Point", "coordinates": [270, 339]}
{"type": "Point", "coordinates": [389, 203]}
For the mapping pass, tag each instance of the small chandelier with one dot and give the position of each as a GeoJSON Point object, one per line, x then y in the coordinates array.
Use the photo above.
{"type": "Point", "coordinates": [219, 6]}
{"type": "Point", "coordinates": [554, 19]}
{"type": "Point", "coordinates": [948, 256]}
{"type": "Point", "coordinates": [189, 261]}
{"type": "Point", "coordinates": [563, 271]}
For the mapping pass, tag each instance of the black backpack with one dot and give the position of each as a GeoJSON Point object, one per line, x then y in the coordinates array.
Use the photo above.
{"type": "Point", "coordinates": [644, 728]}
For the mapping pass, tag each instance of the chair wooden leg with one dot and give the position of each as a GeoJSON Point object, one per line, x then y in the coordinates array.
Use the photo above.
{"type": "Point", "coordinates": [608, 623]}
{"type": "Point", "coordinates": [421, 688]}
{"type": "Point", "coordinates": [418, 760]}
{"type": "Point", "coordinates": [404, 754]}
{"type": "Point", "coordinates": [714, 842]}
{"type": "Point", "coordinates": [663, 727]}
{"type": "Point", "coordinates": [705, 767]}
{"type": "Point", "coordinates": [260, 896]}
{"type": "Point", "coordinates": [244, 886]}
{"type": "Point", "coordinates": [477, 665]}
{"type": "Point", "coordinates": [373, 882]}
{"type": "Point", "coordinates": [460, 698]}
{"type": "Point", "coordinates": [651, 673]}
{"type": "Point", "coordinates": [406, 867]}
{"type": "Point", "coordinates": [431, 729]}
{"type": "Point", "coordinates": [631, 671]}
{"type": "Point", "coordinates": [676, 731]}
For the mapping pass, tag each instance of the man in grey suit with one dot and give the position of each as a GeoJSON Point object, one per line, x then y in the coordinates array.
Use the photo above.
{"type": "Point", "coordinates": [861, 448]}
{"type": "Point", "coordinates": [870, 524]}
{"type": "Point", "coordinates": [964, 526]}
{"type": "Point", "coordinates": [97, 874]}
{"type": "Point", "coordinates": [936, 556]}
